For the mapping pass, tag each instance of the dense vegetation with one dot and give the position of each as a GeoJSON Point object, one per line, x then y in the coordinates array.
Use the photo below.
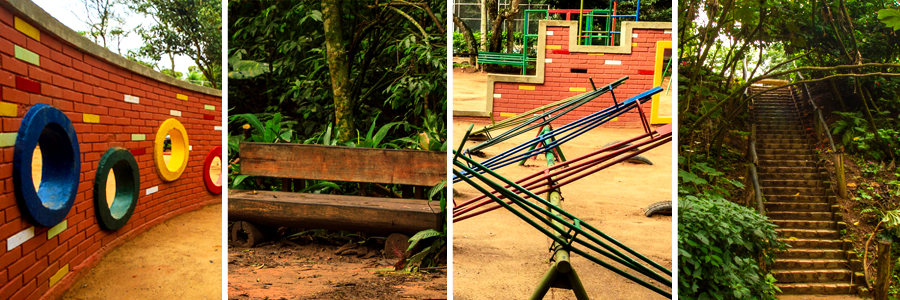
{"type": "Point", "coordinates": [849, 48]}
{"type": "Point", "coordinates": [349, 73]}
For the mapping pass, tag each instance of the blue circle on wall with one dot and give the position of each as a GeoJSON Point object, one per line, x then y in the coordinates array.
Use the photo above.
{"type": "Point", "coordinates": [50, 202]}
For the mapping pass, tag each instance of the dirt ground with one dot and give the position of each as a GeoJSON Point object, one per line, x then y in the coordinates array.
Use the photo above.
{"type": "Point", "coordinates": [499, 256]}
{"type": "Point", "coordinates": [178, 259]}
{"type": "Point", "coordinates": [469, 88]}
{"type": "Point", "coordinates": [275, 270]}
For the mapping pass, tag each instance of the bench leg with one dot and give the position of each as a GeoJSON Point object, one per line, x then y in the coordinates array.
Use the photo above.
{"type": "Point", "coordinates": [248, 235]}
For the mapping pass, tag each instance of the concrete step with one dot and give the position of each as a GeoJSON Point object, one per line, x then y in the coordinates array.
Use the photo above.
{"type": "Point", "coordinates": [791, 183]}
{"type": "Point", "coordinates": [798, 199]}
{"type": "Point", "coordinates": [812, 275]}
{"type": "Point", "coordinates": [817, 234]}
{"type": "Point", "coordinates": [797, 176]}
{"type": "Point", "coordinates": [760, 136]}
{"type": "Point", "coordinates": [783, 151]}
{"type": "Point", "coordinates": [814, 244]}
{"type": "Point", "coordinates": [812, 254]}
{"type": "Point", "coordinates": [776, 145]}
{"type": "Point", "coordinates": [797, 206]}
{"type": "Point", "coordinates": [824, 288]}
{"type": "Point", "coordinates": [805, 224]}
{"type": "Point", "coordinates": [786, 163]}
{"type": "Point", "coordinates": [793, 190]}
{"type": "Point", "coordinates": [799, 215]}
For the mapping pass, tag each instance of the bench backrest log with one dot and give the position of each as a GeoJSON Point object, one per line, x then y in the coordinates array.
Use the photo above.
{"type": "Point", "coordinates": [335, 163]}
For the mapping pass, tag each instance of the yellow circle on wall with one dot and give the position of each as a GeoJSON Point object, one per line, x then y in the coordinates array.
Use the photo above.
{"type": "Point", "coordinates": [171, 160]}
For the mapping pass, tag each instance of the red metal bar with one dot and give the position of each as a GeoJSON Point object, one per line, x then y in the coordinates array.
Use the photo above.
{"type": "Point", "coordinates": [537, 181]}
{"type": "Point", "coordinates": [659, 141]}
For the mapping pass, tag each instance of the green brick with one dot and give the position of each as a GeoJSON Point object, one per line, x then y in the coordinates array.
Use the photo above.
{"type": "Point", "coordinates": [209, 107]}
{"type": "Point", "coordinates": [138, 137]}
{"type": "Point", "coordinates": [59, 228]}
{"type": "Point", "coordinates": [8, 139]}
{"type": "Point", "coordinates": [24, 54]}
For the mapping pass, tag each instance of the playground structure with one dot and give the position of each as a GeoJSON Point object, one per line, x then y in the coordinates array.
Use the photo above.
{"type": "Point", "coordinates": [564, 68]}
{"type": "Point", "coordinates": [569, 233]}
{"type": "Point", "coordinates": [83, 168]}
{"type": "Point", "coordinates": [595, 27]}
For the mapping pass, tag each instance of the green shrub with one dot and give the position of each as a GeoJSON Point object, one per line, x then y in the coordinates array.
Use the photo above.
{"type": "Point", "coordinates": [719, 247]}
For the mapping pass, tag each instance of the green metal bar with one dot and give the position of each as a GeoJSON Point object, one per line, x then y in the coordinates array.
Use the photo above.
{"type": "Point", "coordinates": [520, 201]}
{"type": "Point", "coordinates": [545, 232]}
{"type": "Point", "coordinates": [577, 287]}
{"type": "Point", "coordinates": [463, 142]}
{"type": "Point", "coordinates": [545, 284]}
{"type": "Point", "coordinates": [543, 216]}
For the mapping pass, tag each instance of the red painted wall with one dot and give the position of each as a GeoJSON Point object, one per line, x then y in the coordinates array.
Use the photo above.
{"type": "Point", "coordinates": [558, 78]}
{"type": "Point", "coordinates": [77, 83]}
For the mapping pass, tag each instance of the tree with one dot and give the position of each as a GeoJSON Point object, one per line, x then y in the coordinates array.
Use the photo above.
{"type": "Point", "coordinates": [104, 23]}
{"type": "Point", "coordinates": [339, 68]}
{"type": "Point", "coordinates": [188, 27]}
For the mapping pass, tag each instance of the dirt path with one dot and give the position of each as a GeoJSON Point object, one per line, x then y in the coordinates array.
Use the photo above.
{"type": "Point", "coordinates": [178, 259]}
{"type": "Point", "coordinates": [498, 256]}
{"type": "Point", "coordinates": [279, 271]}
{"type": "Point", "coordinates": [469, 88]}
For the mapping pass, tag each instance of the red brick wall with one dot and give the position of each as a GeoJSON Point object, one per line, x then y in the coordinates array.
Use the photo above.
{"type": "Point", "coordinates": [558, 78]}
{"type": "Point", "coordinates": [79, 83]}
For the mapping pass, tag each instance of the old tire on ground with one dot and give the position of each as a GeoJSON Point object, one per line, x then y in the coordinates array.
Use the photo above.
{"type": "Point", "coordinates": [128, 183]}
{"type": "Point", "coordinates": [50, 202]}
{"type": "Point", "coordinates": [662, 208]}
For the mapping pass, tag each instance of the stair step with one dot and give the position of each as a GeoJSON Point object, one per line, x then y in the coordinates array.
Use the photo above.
{"type": "Point", "coordinates": [794, 135]}
{"type": "Point", "coordinates": [810, 183]}
{"type": "Point", "coordinates": [814, 244]}
{"type": "Point", "coordinates": [799, 199]}
{"type": "Point", "coordinates": [796, 206]}
{"type": "Point", "coordinates": [799, 215]}
{"type": "Point", "coordinates": [786, 163]}
{"type": "Point", "coordinates": [798, 176]}
{"type": "Point", "coordinates": [793, 190]}
{"type": "Point", "coordinates": [812, 254]}
{"type": "Point", "coordinates": [812, 275]}
{"type": "Point", "coordinates": [805, 224]}
{"type": "Point", "coordinates": [776, 145]}
{"type": "Point", "coordinates": [783, 151]}
{"type": "Point", "coordinates": [818, 234]}
{"type": "Point", "coordinates": [826, 288]}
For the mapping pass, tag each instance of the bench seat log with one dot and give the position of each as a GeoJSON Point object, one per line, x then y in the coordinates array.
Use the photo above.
{"type": "Point", "coordinates": [334, 163]}
{"type": "Point", "coordinates": [338, 212]}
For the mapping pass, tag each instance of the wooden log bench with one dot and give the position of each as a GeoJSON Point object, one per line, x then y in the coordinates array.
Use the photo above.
{"type": "Point", "coordinates": [377, 215]}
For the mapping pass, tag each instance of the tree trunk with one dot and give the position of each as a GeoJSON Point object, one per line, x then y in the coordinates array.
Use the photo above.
{"type": "Point", "coordinates": [470, 38]}
{"type": "Point", "coordinates": [339, 68]}
{"type": "Point", "coordinates": [498, 22]}
{"type": "Point", "coordinates": [484, 22]}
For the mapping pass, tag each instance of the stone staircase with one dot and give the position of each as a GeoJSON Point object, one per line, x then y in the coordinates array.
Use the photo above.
{"type": "Point", "coordinates": [800, 202]}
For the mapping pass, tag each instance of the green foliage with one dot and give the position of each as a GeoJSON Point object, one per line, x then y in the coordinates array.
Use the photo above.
{"type": "Point", "coordinates": [890, 17]}
{"type": "Point", "coordinates": [431, 255]}
{"type": "Point", "coordinates": [719, 243]}
{"type": "Point", "coordinates": [187, 27]}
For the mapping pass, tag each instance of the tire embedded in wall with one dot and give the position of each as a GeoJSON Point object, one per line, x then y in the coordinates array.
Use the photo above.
{"type": "Point", "coordinates": [50, 202]}
{"type": "Point", "coordinates": [214, 187]}
{"type": "Point", "coordinates": [179, 154]}
{"type": "Point", "coordinates": [128, 184]}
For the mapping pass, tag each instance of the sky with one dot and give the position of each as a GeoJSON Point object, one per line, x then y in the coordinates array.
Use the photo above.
{"type": "Point", "coordinates": [65, 13]}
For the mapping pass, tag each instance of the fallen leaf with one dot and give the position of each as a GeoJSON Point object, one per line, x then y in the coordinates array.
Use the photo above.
{"type": "Point", "coordinates": [795, 195]}
{"type": "Point", "coordinates": [793, 238]}
{"type": "Point", "coordinates": [851, 184]}
{"type": "Point", "coordinates": [856, 223]}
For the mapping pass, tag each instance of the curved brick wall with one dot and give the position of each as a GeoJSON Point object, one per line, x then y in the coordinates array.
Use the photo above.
{"type": "Point", "coordinates": [111, 102]}
{"type": "Point", "coordinates": [555, 80]}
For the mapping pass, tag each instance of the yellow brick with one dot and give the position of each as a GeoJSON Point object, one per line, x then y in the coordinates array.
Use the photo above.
{"type": "Point", "coordinates": [614, 119]}
{"type": "Point", "coordinates": [59, 275]}
{"type": "Point", "coordinates": [554, 47]}
{"type": "Point", "coordinates": [577, 89]}
{"type": "Point", "coordinates": [8, 110]}
{"type": "Point", "coordinates": [181, 97]}
{"type": "Point", "coordinates": [595, 53]}
{"type": "Point", "coordinates": [27, 29]}
{"type": "Point", "coordinates": [526, 87]}
{"type": "Point", "coordinates": [634, 44]}
{"type": "Point", "coordinates": [503, 114]}
{"type": "Point", "coordinates": [89, 118]}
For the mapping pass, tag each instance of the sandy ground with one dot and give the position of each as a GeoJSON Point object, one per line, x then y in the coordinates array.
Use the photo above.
{"type": "Point", "coordinates": [499, 256]}
{"type": "Point", "coordinates": [275, 270]}
{"type": "Point", "coordinates": [470, 86]}
{"type": "Point", "coordinates": [178, 259]}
